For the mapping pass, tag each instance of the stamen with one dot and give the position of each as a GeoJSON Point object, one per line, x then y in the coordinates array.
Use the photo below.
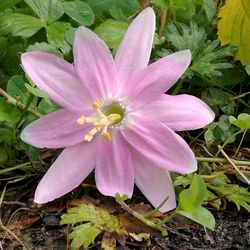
{"type": "Point", "coordinates": [100, 122]}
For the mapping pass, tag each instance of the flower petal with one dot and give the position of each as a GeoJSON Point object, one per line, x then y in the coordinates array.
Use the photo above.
{"type": "Point", "coordinates": [58, 78]}
{"type": "Point", "coordinates": [56, 130]}
{"type": "Point", "coordinates": [157, 78]}
{"type": "Point", "coordinates": [180, 112]}
{"type": "Point", "coordinates": [160, 144]}
{"type": "Point", "coordinates": [72, 166]}
{"type": "Point", "coordinates": [94, 63]}
{"type": "Point", "coordinates": [134, 52]}
{"type": "Point", "coordinates": [154, 182]}
{"type": "Point", "coordinates": [114, 167]}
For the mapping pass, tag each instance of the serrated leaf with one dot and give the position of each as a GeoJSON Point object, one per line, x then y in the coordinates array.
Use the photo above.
{"type": "Point", "coordinates": [44, 47]}
{"type": "Point", "coordinates": [234, 27]}
{"type": "Point", "coordinates": [210, 8]}
{"type": "Point", "coordinates": [9, 112]}
{"type": "Point", "coordinates": [112, 32]}
{"type": "Point", "coordinates": [100, 220]}
{"type": "Point", "coordinates": [240, 196]}
{"type": "Point", "coordinates": [20, 25]}
{"type": "Point", "coordinates": [56, 36]}
{"type": "Point", "coordinates": [5, 4]}
{"type": "Point", "coordinates": [99, 6]}
{"type": "Point", "coordinates": [208, 58]}
{"type": "Point", "coordinates": [84, 235]}
{"type": "Point", "coordinates": [242, 121]}
{"type": "Point", "coordinates": [80, 12]}
{"type": "Point", "coordinates": [47, 10]}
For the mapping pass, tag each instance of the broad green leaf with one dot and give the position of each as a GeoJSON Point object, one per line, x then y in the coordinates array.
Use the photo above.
{"type": "Point", "coordinates": [219, 99]}
{"type": "Point", "coordinates": [44, 47]}
{"type": "Point", "coordinates": [99, 6]}
{"type": "Point", "coordinates": [210, 8]}
{"type": "Point", "coordinates": [234, 27]}
{"type": "Point", "coordinates": [200, 215]}
{"type": "Point", "coordinates": [45, 107]}
{"type": "Point", "coordinates": [16, 88]}
{"type": "Point", "coordinates": [56, 36]}
{"type": "Point", "coordinates": [5, 4]}
{"type": "Point", "coordinates": [20, 25]}
{"type": "Point", "coordinates": [112, 32]}
{"type": "Point", "coordinates": [80, 12]}
{"type": "Point", "coordinates": [194, 195]}
{"type": "Point", "coordinates": [38, 92]}
{"type": "Point", "coordinates": [242, 121]}
{"type": "Point", "coordinates": [190, 201]}
{"type": "Point", "coordinates": [84, 235]}
{"type": "Point", "coordinates": [47, 10]}
{"type": "Point", "coordinates": [121, 9]}
{"type": "Point", "coordinates": [9, 112]}
{"type": "Point", "coordinates": [70, 35]}
{"type": "Point", "coordinates": [163, 4]}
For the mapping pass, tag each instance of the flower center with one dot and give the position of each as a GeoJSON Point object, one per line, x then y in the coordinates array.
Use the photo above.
{"type": "Point", "coordinates": [111, 114]}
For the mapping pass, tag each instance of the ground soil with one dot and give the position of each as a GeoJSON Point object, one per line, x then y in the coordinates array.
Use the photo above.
{"type": "Point", "coordinates": [39, 228]}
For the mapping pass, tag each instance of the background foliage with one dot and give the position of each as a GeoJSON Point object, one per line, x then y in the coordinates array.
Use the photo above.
{"type": "Point", "coordinates": [216, 32]}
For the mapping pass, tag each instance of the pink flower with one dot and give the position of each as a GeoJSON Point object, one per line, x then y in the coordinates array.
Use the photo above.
{"type": "Point", "coordinates": [115, 116]}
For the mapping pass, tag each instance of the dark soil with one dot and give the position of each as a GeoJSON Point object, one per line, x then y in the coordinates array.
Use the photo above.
{"type": "Point", "coordinates": [40, 229]}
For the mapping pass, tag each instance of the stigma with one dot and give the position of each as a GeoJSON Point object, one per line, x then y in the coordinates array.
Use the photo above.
{"type": "Point", "coordinates": [99, 121]}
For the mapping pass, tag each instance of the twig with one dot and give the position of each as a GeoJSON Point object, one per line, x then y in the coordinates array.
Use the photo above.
{"type": "Point", "coordinates": [13, 101]}
{"type": "Point", "coordinates": [233, 164]}
{"type": "Point", "coordinates": [164, 16]}
{"type": "Point", "coordinates": [221, 160]}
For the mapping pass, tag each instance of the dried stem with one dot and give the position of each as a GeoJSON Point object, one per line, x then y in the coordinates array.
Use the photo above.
{"type": "Point", "coordinates": [164, 16]}
{"type": "Point", "coordinates": [221, 160]}
{"type": "Point", "coordinates": [13, 101]}
{"type": "Point", "coordinates": [233, 164]}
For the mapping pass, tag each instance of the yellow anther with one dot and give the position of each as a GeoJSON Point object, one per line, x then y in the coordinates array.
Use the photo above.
{"type": "Point", "coordinates": [96, 104]}
{"type": "Point", "coordinates": [81, 120]}
{"type": "Point", "coordinates": [106, 135]}
{"type": "Point", "coordinates": [99, 121]}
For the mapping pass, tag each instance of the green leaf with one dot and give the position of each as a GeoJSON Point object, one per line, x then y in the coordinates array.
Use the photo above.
{"type": "Point", "coordinates": [99, 6]}
{"type": "Point", "coordinates": [84, 235]}
{"type": "Point", "coordinates": [200, 215]}
{"type": "Point", "coordinates": [47, 10]}
{"type": "Point", "coordinates": [20, 25]}
{"type": "Point", "coordinates": [5, 4]}
{"type": "Point", "coordinates": [80, 12]}
{"type": "Point", "coordinates": [219, 99]}
{"type": "Point", "coordinates": [9, 112]}
{"type": "Point", "coordinates": [247, 68]}
{"type": "Point", "coordinates": [112, 32]}
{"type": "Point", "coordinates": [208, 58]}
{"type": "Point", "coordinates": [210, 9]}
{"type": "Point", "coordinates": [45, 107]}
{"type": "Point", "coordinates": [44, 47]}
{"type": "Point", "coordinates": [242, 121]}
{"type": "Point", "coordinates": [7, 136]}
{"type": "Point", "coordinates": [194, 195]}
{"type": "Point", "coordinates": [121, 9]}
{"type": "Point", "coordinates": [56, 36]}
{"type": "Point", "coordinates": [240, 196]}
{"type": "Point", "coordinates": [16, 88]}
{"type": "Point", "coordinates": [163, 4]}
{"type": "Point", "coordinates": [234, 27]}
{"type": "Point", "coordinates": [100, 220]}
{"type": "Point", "coordinates": [219, 132]}
{"type": "Point", "coordinates": [38, 92]}
{"type": "Point", "coordinates": [190, 201]}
